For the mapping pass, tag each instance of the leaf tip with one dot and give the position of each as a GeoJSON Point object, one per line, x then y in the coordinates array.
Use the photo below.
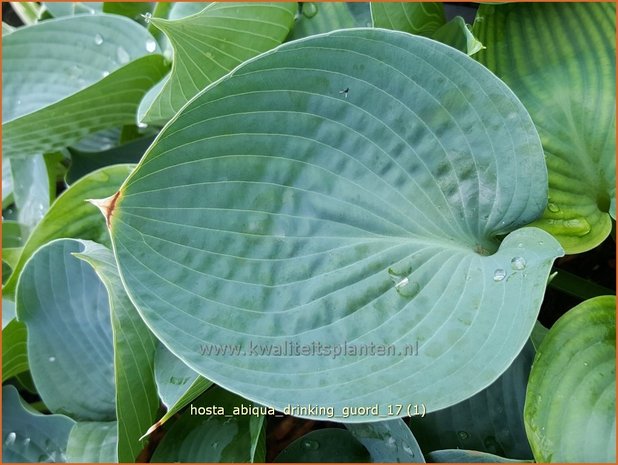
{"type": "Point", "coordinates": [151, 429]}
{"type": "Point", "coordinates": [106, 206]}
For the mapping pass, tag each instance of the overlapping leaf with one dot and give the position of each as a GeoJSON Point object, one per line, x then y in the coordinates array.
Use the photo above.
{"type": "Point", "coordinates": [91, 73]}
{"type": "Point", "coordinates": [331, 191]}
{"type": "Point", "coordinates": [134, 351]}
{"type": "Point", "coordinates": [28, 436]}
{"type": "Point", "coordinates": [413, 17]}
{"type": "Point", "coordinates": [71, 216]}
{"type": "Point", "coordinates": [559, 58]}
{"type": "Point", "coordinates": [498, 430]}
{"type": "Point", "coordinates": [209, 438]}
{"type": "Point", "coordinates": [65, 308]}
{"type": "Point", "coordinates": [211, 43]}
{"type": "Point", "coordinates": [388, 441]}
{"type": "Point", "coordinates": [570, 410]}
{"type": "Point", "coordinates": [93, 442]}
{"type": "Point", "coordinates": [325, 445]}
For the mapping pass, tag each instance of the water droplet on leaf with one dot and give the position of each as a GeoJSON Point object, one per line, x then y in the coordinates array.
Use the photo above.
{"type": "Point", "coordinates": [52, 359]}
{"type": "Point", "coordinates": [518, 263]}
{"type": "Point", "coordinates": [310, 10]}
{"type": "Point", "coordinates": [552, 207]}
{"type": "Point", "coordinates": [122, 56]}
{"type": "Point", "coordinates": [98, 39]}
{"type": "Point", "coordinates": [463, 435]}
{"type": "Point", "coordinates": [142, 125]}
{"type": "Point", "coordinates": [151, 45]}
{"type": "Point", "coordinates": [311, 445]}
{"type": "Point", "coordinates": [10, 439]}
{"type": "Point", "coordinates": [499, 274]}
{"type": "Point", "coordinates": [105, 73]}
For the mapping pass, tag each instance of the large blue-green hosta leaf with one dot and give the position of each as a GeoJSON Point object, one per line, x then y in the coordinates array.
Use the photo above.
{"type": "Point", "coordinates": [345, 190]}
{"type": "Point", "coordinates": [65, 308]}
{"type": "Point", "coordinates": [570, 410]}
{"type": "Point", "coordinates": [559, 58]}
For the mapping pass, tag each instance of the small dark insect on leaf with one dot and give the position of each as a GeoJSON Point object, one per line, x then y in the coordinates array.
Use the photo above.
{"type": "Point", "coordinates": [345, 92]}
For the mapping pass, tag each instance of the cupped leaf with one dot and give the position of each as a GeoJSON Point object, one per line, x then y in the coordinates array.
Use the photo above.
{"type": "Point", "coordinates": [413, 17]}
{"type": "Point", "coordinates": [209, 44]}
{"type": "Point", "coordinates": [457, 34]}
{"type": "Point", "coordinates": [559, 58]}
{"type": "Point", "coordinates": [71, 216]}
{"type": "Point", "coordinates": [467, 456]}
{"type": "Point", "coordinates": [177, 384]}
{"type": "Point", "coordinates": [330, 192]}
{"type": "Point", "coordinates": [93, 442]}
{"type": "Point", "coordinates": [134, 351]}
{"type": "Point", "coordinates": [570, 411]}
{"type": "Point", "coordinates": [91, 73]}
{"type": "Point", "coordinates": [325, 445]}
{"type": "Point", "coordinates": [65, 308]}
{"type": "Point", "coordinates": [217, 436]}
{"type": "Point", "coordinates": [388, 441]}
{"type": "Point", "coordinates": [492, 421]}
{"type": "Point", "coordinates": [28, 436]}
{"type": "Point", "coordinates": [14, 350]}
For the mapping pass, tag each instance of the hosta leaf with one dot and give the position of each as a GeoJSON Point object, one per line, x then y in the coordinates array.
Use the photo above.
{"type": "Point", "coordinates": [65, 308]}
{"type": "Point", "coordinates": [325, 445]}
{"type": "Point", "coordinates": [14, 351]}
{"type": "Point", "coordinates": [491, 421]}
{"type": "Point", "coordinates": [388, 441]}
{"type": "Point", "coordinates": [467, 456]}
{"type": "Point", "coordinates": [82, 82]}
{"type": "Point", "coordinates": [93, 442]}
{"type": "Point", "coordinates": [277, 208]}
{"type": "Point", "coordinates": [134, 351]}
{"type": "Point", "coordinates": [322, 17]}
{"type": "Point", "coordinates": [209, 44]}
{"type": "Point", "coordinates": [413, 17]}
{"type": "Point", "coordinates": [14, 234]}
{"type": "Point", "coordinates": [71, 216]}
{"type": "Point", "coordinates": [7, 183]}
{"type": "Point", "coordinates": [177, 384]}
{"type": "Point", "coordinates": [208, 438]}
{"type": "Point", "coordinates": [457, 34]}
{"type": "Point", "coordinates": [28, 436]}
{"type": "Point", "coordinates": [559, 59]}
{"type": "Point", "coordinates": [60, 9]}
{"type": "Point", "coordinates": [570, 408]}
{"type": "Point", "coordinates": [31, 190]}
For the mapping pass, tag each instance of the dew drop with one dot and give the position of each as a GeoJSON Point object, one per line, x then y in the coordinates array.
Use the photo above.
{"type": "Point", "coordinates": [147, 17]}
{"type": "Point", "coordinates": [26, 442]}
{"type": "Point", "coordinates": [122, 56]}
{"type": "Point", "coordinates": [408, 450]}
{"type": "Point", "coordinates": [585, 364]}
{"type": "Point", "coordinates": [98, 39]}
{"type": "Point", "coordinates": [142, 125]}
{"type": "Point", "coordinates": [214, 445]}
{"type": "Point", "coordinates": [105, 73]}
{"type": "Point", "coordinates": [52, 359]}
{"type": "Point", "coordinates": [579, 226]}
{"type": "Point", "coordinates": [311, 445]}
{"type": "Point", "coordinates": [463, 435]}
{"type": "Point", "coordinates": [151, 45]}
{"type": "Point", "coordinates": [10, 439]}
{"type": "Point", "coordinates": [518, 263]}
{"type": "Point", "coordinates": [18, 102]}
{"type": "Point", "coordinates": [209, 55]}
{"type": "Point", "coordinates": [310, 10]}
{"type": "Point", "coordinates": [552, 207]}
{"type": "Point", "coordinates": [499, 274]}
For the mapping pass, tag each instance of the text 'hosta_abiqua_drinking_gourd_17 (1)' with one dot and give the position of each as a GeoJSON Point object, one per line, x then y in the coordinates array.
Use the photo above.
{"type": "Point", "coordinates": [356, 189]}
